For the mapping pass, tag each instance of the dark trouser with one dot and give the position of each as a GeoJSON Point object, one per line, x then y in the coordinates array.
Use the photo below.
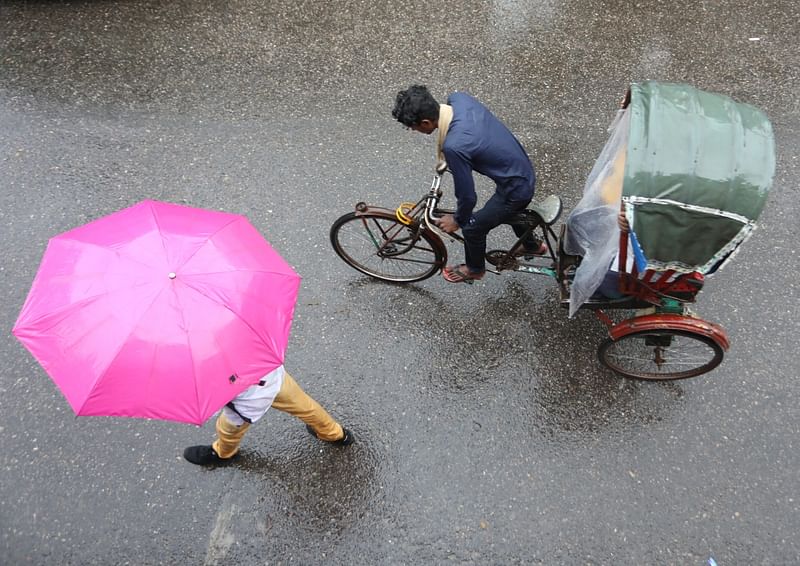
{"type": "Point", "coordinates": [609, 286]}
{"type": "Point", "coordinates": [496, 211]}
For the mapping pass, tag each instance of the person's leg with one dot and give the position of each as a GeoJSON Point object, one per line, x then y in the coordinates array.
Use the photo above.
{"type": "Point", "coordinates": [609, 286]}
{"type": "Point", "coordinates": [494, 212]}
{"type": "Point", "coordinates": [230, 430]}
{"type": "Point", "coordinates": [229, 436]}
{"type": "Point", "coordinates": [531, 245]}
{"type": "Point", "coordinates": [293, 400]}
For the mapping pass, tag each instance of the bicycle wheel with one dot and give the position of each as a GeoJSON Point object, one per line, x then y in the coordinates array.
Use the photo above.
{"type": "Point", "coordinates": [376, 244]}
{"type": "Point", "coordinates": [661, 354]}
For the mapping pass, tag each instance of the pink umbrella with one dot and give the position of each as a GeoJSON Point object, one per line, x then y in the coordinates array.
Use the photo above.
{"type": "Point", "coordinates": [159, 311]}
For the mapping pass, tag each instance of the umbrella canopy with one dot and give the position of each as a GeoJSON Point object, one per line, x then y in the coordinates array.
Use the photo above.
{"type": "Point", "coordinates": [159, 311]}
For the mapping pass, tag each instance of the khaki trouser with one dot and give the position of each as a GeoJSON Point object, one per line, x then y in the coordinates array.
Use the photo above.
{"type": "Point", "coordinates": [290, 399]}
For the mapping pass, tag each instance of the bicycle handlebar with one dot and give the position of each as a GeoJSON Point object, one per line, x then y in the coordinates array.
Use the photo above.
{"type": "Point", "coordinates": [434, 194]}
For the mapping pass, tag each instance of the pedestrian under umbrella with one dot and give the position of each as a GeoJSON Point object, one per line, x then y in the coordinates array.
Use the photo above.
{"type": "Point", "coordinates": [278, 389]}
{"type": "Point", "coordinates": [169, 312]}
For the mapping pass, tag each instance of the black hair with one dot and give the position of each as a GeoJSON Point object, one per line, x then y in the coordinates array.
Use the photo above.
{"type": "Point", "coordinates": [414, 105]}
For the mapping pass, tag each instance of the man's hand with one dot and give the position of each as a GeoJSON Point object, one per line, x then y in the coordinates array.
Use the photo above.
{"type": "Point", "coordinates": [622, 222]}
{"type": "Point", "coordinates": [447, 223]}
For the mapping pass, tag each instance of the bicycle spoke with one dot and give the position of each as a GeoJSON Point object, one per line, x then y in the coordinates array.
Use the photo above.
{"type": "Point", "coordinates": [378, 245]}
{"type": "Point", "coordinates": [684, 355]}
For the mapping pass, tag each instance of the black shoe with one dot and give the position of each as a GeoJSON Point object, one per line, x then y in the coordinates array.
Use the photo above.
{"type": "Point", "coordinates": [205, 456]}
{"type": "Point", "coordinates": [346, 440]}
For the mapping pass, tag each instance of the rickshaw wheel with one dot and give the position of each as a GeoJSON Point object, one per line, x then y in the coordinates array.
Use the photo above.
{"type": "Point", "coordinates": [661, 354]}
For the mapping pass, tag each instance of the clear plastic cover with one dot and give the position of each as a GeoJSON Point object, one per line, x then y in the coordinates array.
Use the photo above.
{"type": "Point", "coordinates": [592, 230]}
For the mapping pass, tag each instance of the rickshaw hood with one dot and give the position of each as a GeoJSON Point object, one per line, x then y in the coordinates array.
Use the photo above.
{"type": "Point", "coordinates": [698, 169]}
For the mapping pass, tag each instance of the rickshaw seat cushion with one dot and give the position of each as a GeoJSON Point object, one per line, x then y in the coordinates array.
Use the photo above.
{"type": "Point", "coordinates": [688, 283]}
{"type": "Point", "coordinates": [683, 287]}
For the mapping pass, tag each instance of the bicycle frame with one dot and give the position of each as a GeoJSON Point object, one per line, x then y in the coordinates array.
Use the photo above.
{"type": "Point", "coordinates": [426, 213]}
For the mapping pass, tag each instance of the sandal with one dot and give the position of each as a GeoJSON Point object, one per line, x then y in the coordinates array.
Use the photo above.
{"type": "Point", "coordinates": [542, 250]}
{"type": "Point", "coordinates": [461, 274]}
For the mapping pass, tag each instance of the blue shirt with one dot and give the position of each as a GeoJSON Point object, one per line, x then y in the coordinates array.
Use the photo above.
{"type": "Point", "coordinates": [478, 141]}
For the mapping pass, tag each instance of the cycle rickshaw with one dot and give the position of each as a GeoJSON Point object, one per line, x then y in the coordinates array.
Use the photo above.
{"type": "Point", "coordinates": [689, 169]}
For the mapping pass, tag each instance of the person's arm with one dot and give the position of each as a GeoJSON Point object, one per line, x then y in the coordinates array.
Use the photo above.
{"type": "Point", "coordinates": [466, 198]}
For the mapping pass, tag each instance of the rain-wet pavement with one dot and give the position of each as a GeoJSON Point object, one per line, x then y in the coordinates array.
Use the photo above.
{"type": "Point", "coordinates": [487, 431]}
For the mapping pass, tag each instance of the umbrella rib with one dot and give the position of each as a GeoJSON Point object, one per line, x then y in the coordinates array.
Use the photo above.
{"type": "Point", "coordinates": [236, 314]}
{"type": "Point", "coordinates": [56, 320]}
{"type": "Point", "coordinates": [122, 345]}
{"type": "Point", "coordinates": [67, 238]}
{"type": "Point", "coordinates": [236, 218]}
{"type": "Point", "coordinates": [194, 372]}
{"type": "Point", "coordinates": [238, 270]}
{"type": "Point", "coordinates": [83, 302]}
{"type": "Point", "coordinates": [158, 229]}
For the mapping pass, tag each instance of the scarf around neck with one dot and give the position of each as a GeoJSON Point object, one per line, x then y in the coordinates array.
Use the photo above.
{"type": "Point", "coordinates": [445, 115]}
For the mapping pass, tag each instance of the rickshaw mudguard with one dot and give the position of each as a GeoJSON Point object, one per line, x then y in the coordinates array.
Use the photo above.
{"type": "Point", "coordinates": [671, 322]}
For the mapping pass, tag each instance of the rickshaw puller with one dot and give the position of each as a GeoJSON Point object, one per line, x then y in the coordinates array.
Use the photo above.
{"type": "Point", "coordinates": [471, 139]}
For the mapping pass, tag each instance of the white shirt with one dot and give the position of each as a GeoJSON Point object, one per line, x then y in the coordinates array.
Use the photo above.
{"type": "Point", "coordinates": [254, 401]}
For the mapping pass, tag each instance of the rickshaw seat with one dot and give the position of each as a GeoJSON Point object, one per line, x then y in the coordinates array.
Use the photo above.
{"type": "Point", "coordinates": [653, 285]}
{"type": "Point", "coordinates": [638, 291]}
{"type": "Point", "coordinates": [548, 210]}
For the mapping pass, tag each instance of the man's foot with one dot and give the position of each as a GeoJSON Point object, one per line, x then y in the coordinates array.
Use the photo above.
{"type": "Point", "coordinates": [525, 252]}
{"type": "Point", "coordinates": [345, 440]}
{"type": "Point", "coordinates": [205, 456]}
{"type": "Point", "coordinates": [461, 274]}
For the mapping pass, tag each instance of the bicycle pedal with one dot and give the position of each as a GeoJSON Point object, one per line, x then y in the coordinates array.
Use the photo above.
{"type": "Point", "coordinates": [501, 259]}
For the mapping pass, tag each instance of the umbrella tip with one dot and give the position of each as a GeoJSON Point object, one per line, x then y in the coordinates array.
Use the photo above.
{"type": "Point", "coordinates": [172, 275]}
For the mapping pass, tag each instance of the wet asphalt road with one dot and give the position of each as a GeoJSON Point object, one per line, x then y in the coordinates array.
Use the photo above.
{"type": "Point", "coordinates": [487, 431]}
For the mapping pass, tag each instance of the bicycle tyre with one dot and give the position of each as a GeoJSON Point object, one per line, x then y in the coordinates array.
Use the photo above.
{"type": "Point", "coordinates": [377, 244]}
{"type": "Point", "coordinates": [686, 354]}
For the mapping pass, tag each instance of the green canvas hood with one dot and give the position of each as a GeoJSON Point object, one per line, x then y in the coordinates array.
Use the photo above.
{"type": "Point", "coordinates": [697, 171]}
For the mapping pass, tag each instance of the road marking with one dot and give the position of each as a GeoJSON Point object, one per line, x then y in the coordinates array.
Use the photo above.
{"type": "Point", "coordinates": [221, 538]}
